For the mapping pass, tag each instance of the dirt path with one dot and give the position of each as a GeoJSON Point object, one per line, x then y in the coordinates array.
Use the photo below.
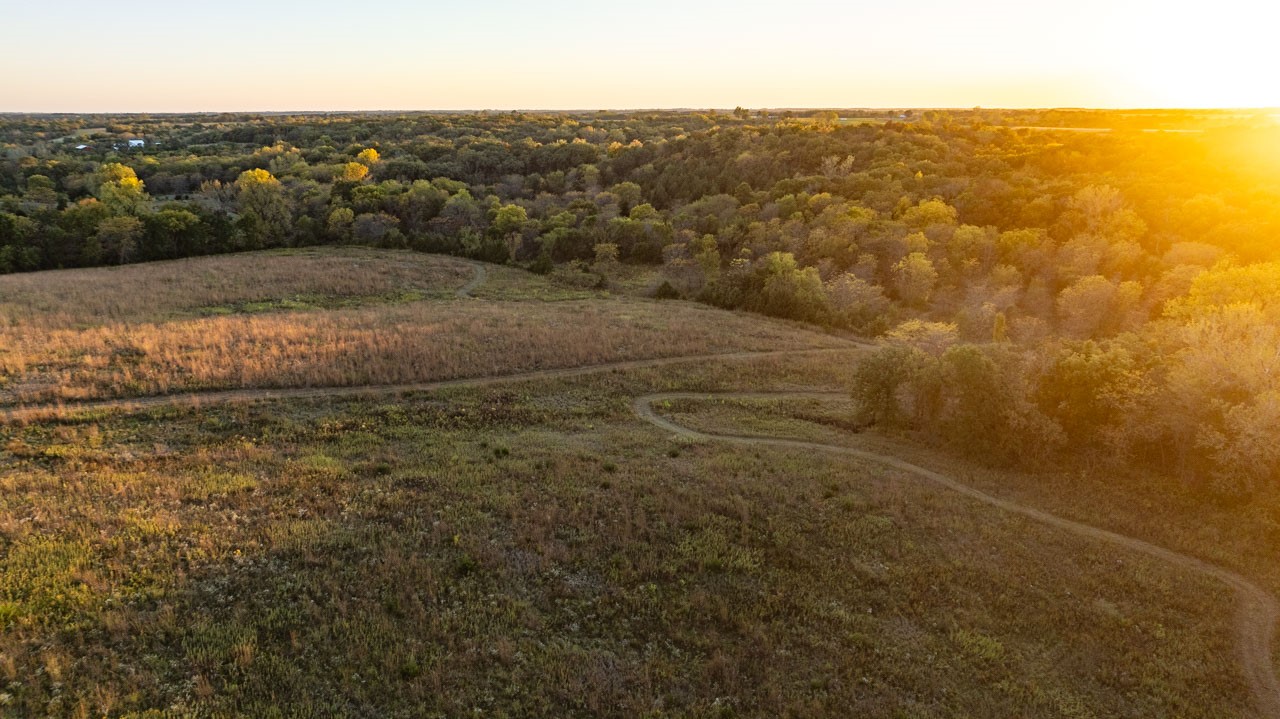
{"type": "Point", "coordinates": [481, 274]}
{"type": "Point", "coordinates": [214, 397]}
{"type": "Point", "coordinates": [1256, 612]}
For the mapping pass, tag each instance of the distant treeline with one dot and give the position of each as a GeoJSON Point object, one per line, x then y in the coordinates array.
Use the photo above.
{"type": "Point", "coordinates": [1113, 295]}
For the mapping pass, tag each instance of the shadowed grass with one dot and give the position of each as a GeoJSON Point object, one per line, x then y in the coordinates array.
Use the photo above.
{"type": "Point", "coordinates": [533, 550]}
{"type": "Point", "coordinates": [247, 282]}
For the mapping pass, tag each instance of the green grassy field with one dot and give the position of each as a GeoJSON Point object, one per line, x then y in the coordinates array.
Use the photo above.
{"type": "Point", "coordinates": [535, 549]}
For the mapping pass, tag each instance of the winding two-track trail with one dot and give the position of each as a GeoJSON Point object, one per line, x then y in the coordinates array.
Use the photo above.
{"type": "Point", "coordinates": [1256, 612]}
{"type": "Point", "coordinates": [36, 412]}
{"type": "Point", "coordinates": [477, 279]}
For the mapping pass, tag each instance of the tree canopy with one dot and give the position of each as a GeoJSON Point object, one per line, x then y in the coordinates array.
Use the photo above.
{"type": "Point", "coordinates": [1120, 289]}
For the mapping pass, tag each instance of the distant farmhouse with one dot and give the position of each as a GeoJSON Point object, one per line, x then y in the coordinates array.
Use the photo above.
{"type": "Point", "coordinates": [137, 143]}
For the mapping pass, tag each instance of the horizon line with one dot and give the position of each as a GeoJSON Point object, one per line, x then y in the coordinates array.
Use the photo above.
{"type": "Point", "coordinates": [478, 110]}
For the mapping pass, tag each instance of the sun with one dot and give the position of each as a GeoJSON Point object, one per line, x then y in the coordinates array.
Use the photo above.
{"type": "Point", "coordinates": [1194, 55]}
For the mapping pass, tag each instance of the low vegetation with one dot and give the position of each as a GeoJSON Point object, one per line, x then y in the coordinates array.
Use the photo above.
{"type": "Point", "coordinates": [1184, 517]}
{"type": "Point", "coordinates": [535, 550]}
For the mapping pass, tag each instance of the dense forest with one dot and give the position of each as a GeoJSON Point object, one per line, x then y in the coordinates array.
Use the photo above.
{"type": "Point", "coordinates": [1096, 287]}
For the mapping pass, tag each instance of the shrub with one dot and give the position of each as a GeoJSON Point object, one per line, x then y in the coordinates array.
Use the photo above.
{"type": "Point", "coordinates": [666, 292]}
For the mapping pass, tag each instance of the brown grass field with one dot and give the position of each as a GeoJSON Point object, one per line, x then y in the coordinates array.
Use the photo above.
{"type": "Point", "coordinates": [50, 355]}
{"type": "Point", "coordinates": [534, 549]}
{"type": "Point", "coordinates": [160, 291]}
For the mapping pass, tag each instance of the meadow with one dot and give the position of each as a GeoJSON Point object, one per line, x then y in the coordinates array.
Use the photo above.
{"type": "Point", "coordinates": [533, 547]}
{"type": "Point", "coordinates": [247, 282]}
{"type": "Point", "coordinates": [340, 319]}
{"type": "Point", "coordinates": [535, 550]}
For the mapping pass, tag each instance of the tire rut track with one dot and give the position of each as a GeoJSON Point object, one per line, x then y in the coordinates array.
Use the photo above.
{"type": "Point", "coordinates": [1257, 610]}
{"type": "Point", "coordinates": [214, 397]}
{"type": "Point", "coordinates": [479, 278]}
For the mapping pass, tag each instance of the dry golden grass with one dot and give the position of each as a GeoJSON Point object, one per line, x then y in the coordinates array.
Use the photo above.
{"type": "Point", "coordinates": [535, 550]}
{"type": "Point", "coordinates": [162, 290]}
{"type": "Point", "coordinates": [387, 344]}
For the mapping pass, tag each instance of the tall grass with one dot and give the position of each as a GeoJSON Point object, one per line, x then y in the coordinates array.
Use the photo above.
{"type": "Point", "coordinates": [385, 344]}
{"type": "Point", "coordinates": [162, 290]}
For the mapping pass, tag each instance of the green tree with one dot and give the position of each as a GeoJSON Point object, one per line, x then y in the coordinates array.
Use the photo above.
{"type": "Point", "coordinates": [420, 204]}
{"type": "Point", "coordinates": [462, 211]}
{"type": "Point", "coordinates": [929, 213]}
{"type": "Point", "coordinates": [1000, 329]}
{"type": "Point", "coordinates": [629, 195]}
{"type": "Point", "coordinates": [827, 118]}
{"type": "Point", "coordinates": [340, 224]}
{"type": "Point", "coordinates": [1095, 307]}
{"type": "Point", "coordinates": [1212, 292]}
{"type": "Point", "coordinates": [932, 338]}
{"type": "Point", "coordinates": [1093, 391]}
{"type": "Point", "coordinates": [117, 239]}
{"type": "Point", "coordinates": [706, 255]}
{"type": "Point", "coordinates": [606, 262]}
{"type": "Point", "coordinates": [985, 410]}
{"type": "Point", "coordinates": [1101, 210]}
{"type": "Point", "coordinates": [41, 193]}
{"type": "Point", "coordinates": [175, 232]}
{"type": "Point", "coordinates": [378, 229]}
{"type": "Point", "coordinates": [266, 216]}
{"type": "Point", "coordinates": [858, 304]}
{"type": "Point", "coordinates": [509, 223]}
{"type": "Point", "coordinates": [972, 249]}
{"type": "Point", "coordinates": [787, 290]}
{"type": "Point", "coordinates": [914, 278]}
{"type": "Point", "coordinates": [885, 382]}
{"type": "Point", "coordinates": [1216, 404]}
{"type": "Point", "coordinates": [120, 190]}
{"type": "Point", "coordinates": [1243, 448]}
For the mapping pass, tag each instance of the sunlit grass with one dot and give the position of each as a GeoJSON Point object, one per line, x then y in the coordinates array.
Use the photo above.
{"type": "Point", "coordinates": [46, 355]}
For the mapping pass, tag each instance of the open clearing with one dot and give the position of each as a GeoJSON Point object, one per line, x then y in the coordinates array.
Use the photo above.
{"type": "Point", "coordinates": [414, 322]}
{"type": "Point", "coordinates": [1257, 613]}
{"type": "Point", "coordinates": [531, 546]}
{"type": "Point", "coordinates": [244, 283]}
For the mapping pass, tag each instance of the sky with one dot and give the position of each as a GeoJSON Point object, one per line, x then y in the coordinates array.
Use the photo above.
{"type": "Point", "coordinates": [280, 55]}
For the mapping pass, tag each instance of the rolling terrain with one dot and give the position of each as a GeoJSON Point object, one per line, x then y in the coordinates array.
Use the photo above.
{"type": "Point", "coordinates": [566, 507]}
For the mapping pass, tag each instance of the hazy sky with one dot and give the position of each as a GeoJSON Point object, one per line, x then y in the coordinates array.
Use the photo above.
{"type": "Point", "coordinates": [156, 56]}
